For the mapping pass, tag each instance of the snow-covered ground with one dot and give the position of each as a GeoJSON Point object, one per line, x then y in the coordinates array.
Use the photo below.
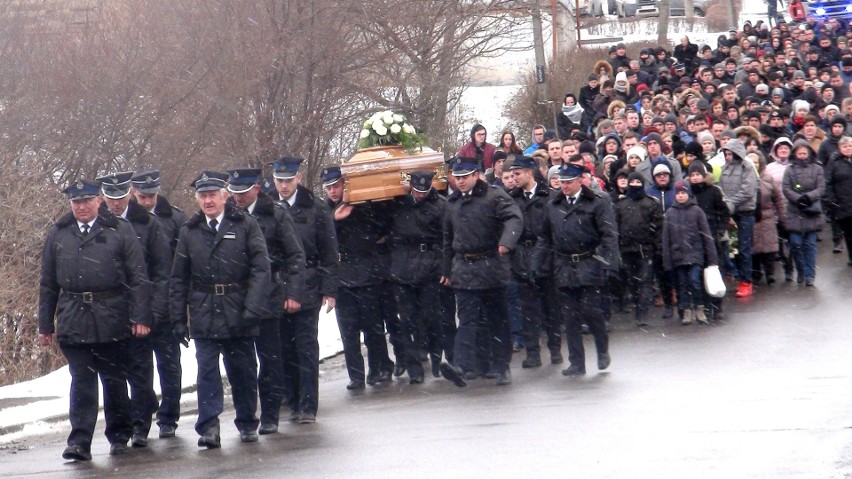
{"type": "Point", "coordinates": [46, 398]}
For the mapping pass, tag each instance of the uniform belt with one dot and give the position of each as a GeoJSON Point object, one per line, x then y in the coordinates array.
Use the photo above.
{"type": "Point", "coordinates": [576, 257]}
{"type": "Point", "coordinates": [423, 247]}
{"type": "Point", "coordinates": [477, 256]}
{"type": "Point", "coordinates": [220, 289]}
{"type": "Point", "coordinates": [528, 243]}
{"type": "Point", "coordinates": [90, 296]}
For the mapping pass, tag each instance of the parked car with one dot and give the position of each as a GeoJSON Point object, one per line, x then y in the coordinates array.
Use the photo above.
{"type": "Point", "coordinates": [652, 7]}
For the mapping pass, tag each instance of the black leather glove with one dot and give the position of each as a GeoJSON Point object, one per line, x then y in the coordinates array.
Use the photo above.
{"type": "Point", "coordinates": [181, 333]}
{"type": "Point", "coordinates": [804, 201]}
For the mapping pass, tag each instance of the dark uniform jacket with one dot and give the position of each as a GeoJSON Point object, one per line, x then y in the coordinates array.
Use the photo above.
{"type": "Point", "coordinates": [158, 258]}
{"type": "Point", "coordinates": [285, 253]}
{"type": "Point", "coordinates": [358, 238]}
{"type": "Point", "coordinates": [315, 228]}
{"type": "Point", "coordinates": [170, 218]}
{"type": "Point", "coordinates": [686, 237]}
{"type": "Point", "coordinates": [640, 224]}
{"type": "Point", "coordinates": [416, 239]}
{"type": "Point", "coordinates": [235, 256]}
{"type": "Point", "coordinates": [474, 227]}
{"type": "Point", "coordinates": [838, 187]}
{"type": "Point", "coordinates": [109, 260]}
{"type": "Point", "coordinates": [534, 218]}
{"type": "Point", "coordinates": [586, 228]}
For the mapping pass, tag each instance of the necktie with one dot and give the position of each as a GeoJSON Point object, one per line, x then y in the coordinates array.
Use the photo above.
{"type": "Point", "coordinates": [529, 195]}
{"type": "Point", "coordinates": [214, 225]}
{"type": "Point", "coordinates": [571, 201]}
{"type": "Point", "coordinates": [84, 228]}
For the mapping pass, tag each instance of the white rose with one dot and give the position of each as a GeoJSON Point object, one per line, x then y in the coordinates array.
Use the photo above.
{"type": "Point", "coordinates": [387, 119]}
{"type": "Point", "coordinates": [386, 113]}
{"type": "Point", "coordinates": [395, 129]}
{"type": "Point", "coordinates": [398, 119]}
{"type": "Point", "coordinates": [365, 133]}
{"type": "Point", "coordinates": [408, 129]}
{"type": "Point", "coordinates": [368, 123]}
{"type": "Point", "coordinates": [380, 129]}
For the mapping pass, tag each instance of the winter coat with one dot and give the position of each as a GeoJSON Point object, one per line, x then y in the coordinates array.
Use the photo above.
{"type": "Point", "coordinates": [802, 178]}
{"type": "Point", "coordinates": [838, 187]}
{"type": "Point", "coordinates": [533, 211]}
{"type": "Point", "coordinates": [235, 256]}
{"type": "Point", "coordinates": [646, 167]}
{"type": "Point", "coordinates": [665, 197]}
{"type": "Point", "coordinates": [170, 218]}
{"type": "Point", "coordinates": [640, 224]}
{"type": "Point", "coordinates": [827, 149]}
{"type": "Point", "coordinates": [583, 239]}
{"type": "Point", "coordinates": [711, 200]}
{"type": "Point", "coordinates": [158, 258]}
{"type": "Point", "coordinates": [107, 260]}
{"type": "Point", "coordinates": [360, 240]}
{"type": "Point", "coordinates": [686, 237]}
{"type": "Point", "coordinates": [485, 153]}
{"type": "Point", "coordinates": [315, 228]}
{"type": "Point", "coordinates": [416, 239]}
{"type": "Point", "coordinates": [739, 180]}
{"type": "Point", "coordinates": [474, 226]}
{"type": "Point", "coordinates": [773, 209]}
{"type": "Point", "coordinates": [285, 252]}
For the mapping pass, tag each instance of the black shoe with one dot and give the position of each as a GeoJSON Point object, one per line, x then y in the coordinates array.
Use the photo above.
{"type": "Point", "coordinates": [167, 430]}
{"type": "Point", "coordinates": [667, 312]}
{"type": "Point", "coordinates": [531, 362]}
{"type": "Point", "coordinates": [788, 277]}
{"type": "Point", "coordinates": [248, 436]}
{"type": "Point", "coordinates": [556, 358]}
{"type": "Point", "coordinates": [371, 378]}
{"type": "Point", "coordinates": [472, 375]}
{"type": "Point", "coordinates": [584, 328]}
{"type": "Point", "coordinates": [505, 378]}
{"type": "Point", "coordinates": [355, 385]}
{"type": "Point", "coordinates": [307, 418]}
{"type": "Point", "coordinates": [210, 440]}
{"type": "Point", "coordinates": [770, 279]}
{"type": "Point", "coordinates": [436, 369]}
{"type": "Point", "coordinates": [517, 346]}
{"type": "Point", "coordinates": [398, 370]}
{"type": "Point", "coordinates": [603, 361]}
{"type": "Point", "coordinates": [138, 440]}
{"type": "Point", "coordinates": [838, 246]}
{"type": "Point", "coordinates": [800, 279]}
{"type": "Point", "coordinates": [641, 321]}
{"type": "Point", "coordinates": [76, 453]}
{"type": "Point", "coordinates": [491, 374]}
{"type": "Point", "coordinates": [574, 370]}
{"type": "Point", "coordinates": [809, 282]}
{"type": "Point", "coordinates": [383, 377]}
{"type": "Point", "coordinates": [267, 428]}
{"type": "Point", "coordinates": [454, 374]}
{"type": "Point", "coordinates": [416, 379]}
{"type": "Point", "coordinates": [118, 448]}
{"type": "Point", "coordinates": [293, 417]}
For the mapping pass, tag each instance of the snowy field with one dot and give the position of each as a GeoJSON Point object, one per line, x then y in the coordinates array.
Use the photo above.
{"type": "Point", "coordinates": [46, 399]}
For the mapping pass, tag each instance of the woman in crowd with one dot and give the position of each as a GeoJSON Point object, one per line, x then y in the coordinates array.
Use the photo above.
{"type": "Point", "coordinates": [508, 143]}
{"type": "Point", "coordinates": [803, 186]}
{"type": "Point", "coordinates": [772, 210]}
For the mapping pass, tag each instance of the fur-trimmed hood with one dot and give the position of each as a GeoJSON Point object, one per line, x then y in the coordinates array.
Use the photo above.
{"type": "Point", "coordinates": [605, 65]}
{"type": "Point", "coordinates": [747, 130]}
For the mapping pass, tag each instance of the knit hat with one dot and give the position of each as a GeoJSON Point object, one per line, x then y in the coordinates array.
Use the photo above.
{"type": "Point", "coordinates": [662, 168]}
{"type": "Point", "coordinates": [623, 172]}
{"type": "Point", "coordinates": [552, 171]}
{"type": "Point", "coordinates": [637, 151]}
{"type": "Point", "coordinates": [671, 118]}
{"type": "Point", "coordinates": [704, 136]}
{"type": "Point", "coordinates": [778, 92]}
{"type": "Point", "coordinates": [654, 137]}
{"type": "Point", "coordinates": [840, 120]}
{"type": "Point", "coordinates": [728, 134]}
{"type": "Point", "coordinates": [695, 149]}
{"type": "Point", "coordinates": [586, 147]}
{"type": "Point", "coordinates": [682, 187]}
{"type": "Point", "coordinates": [697, 167]}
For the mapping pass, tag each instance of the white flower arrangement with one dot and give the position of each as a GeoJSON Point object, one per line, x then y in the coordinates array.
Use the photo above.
{"type": "Point", "coordinates": [387, 128]}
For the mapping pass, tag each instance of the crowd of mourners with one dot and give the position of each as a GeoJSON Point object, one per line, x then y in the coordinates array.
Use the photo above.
{"type": "Point", "coordinates": [658, 169]}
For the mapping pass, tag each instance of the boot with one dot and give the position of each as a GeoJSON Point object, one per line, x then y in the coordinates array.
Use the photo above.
{"type": "Point", "coordinates": [700, 316]}
{"type": "Point", "coordinates": [838, 246]}
{"type": "Point", "coordinates": [687, 317]}
{"type": "Point", "coordinates": [744, 290]}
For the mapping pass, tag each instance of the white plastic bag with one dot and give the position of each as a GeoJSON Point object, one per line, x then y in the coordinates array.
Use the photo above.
{"type": "Point", "coordinates": [713, 282]}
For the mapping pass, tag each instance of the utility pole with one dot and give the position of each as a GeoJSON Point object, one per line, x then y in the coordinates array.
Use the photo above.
{"type": "Point", "coordinates": [732, 19]}
{"type": "Point", "coordinates": [540, 68]}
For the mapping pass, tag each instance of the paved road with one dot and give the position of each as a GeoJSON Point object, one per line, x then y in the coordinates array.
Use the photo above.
{"type": "Point", "coordinates": [763, 394]}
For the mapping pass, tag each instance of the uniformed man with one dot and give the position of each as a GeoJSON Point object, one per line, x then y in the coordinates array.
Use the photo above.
{"type": "Point", "coordinates": [285, 291]}
{"type": "Point", "coordinates": [115, 189]}
{"type": "Point", "coordinates": [538, 304]}
{"type": "Point", "coordinates": [416, 270]}
{"type": "Point", "coordinates": [94, 296]}
{"type": "Point", "coordinates": [481, 227]}
{"type": "Point", "coordinates": [359, 229]}
{"type": "Point", "coordinates": [580, 231]}
{"type": "Point", "coordinates": [146, 192]}
{"type": "Point", "coordinates": [220, 277]}
{"type": "Point", "coordinates": [300, 329]}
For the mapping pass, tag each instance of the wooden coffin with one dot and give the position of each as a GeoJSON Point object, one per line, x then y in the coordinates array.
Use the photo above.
{"type": "Point", "coordinates": [382, 172]}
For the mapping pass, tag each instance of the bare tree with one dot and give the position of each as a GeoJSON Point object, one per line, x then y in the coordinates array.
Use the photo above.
{"type": "Point", "coordinates": [663, 29]}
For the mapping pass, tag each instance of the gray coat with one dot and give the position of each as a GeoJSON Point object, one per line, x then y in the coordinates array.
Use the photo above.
{"type": "Point", "coordinates": [474, 227]}
{"type": "Point", "coordinates": [802, 178]}
{"type": "Point", "coordinates": [739, 180]}
{"type": "Point", "coordinates": [587, 227]}
{"type": "Point", "coordinates": [108, 259]}
{"type": "Point", "coordinates": [234, 255]}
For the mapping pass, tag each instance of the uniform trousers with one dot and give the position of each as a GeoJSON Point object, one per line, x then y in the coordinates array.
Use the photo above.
{"type": "Point", "coordinates": [579, 305]}
{"type": "Point", "coordinates": [540, 311]}
{"type": "Point", "coordinates": [483, 313]}
{"type": "Point", "coordinates": [85, 363]}
{"type": "Point", "coordinates": [419, 310]}
{"type": "Point", "coordinates": [301, 360]}
{"type": "Point", "coordinates": [270, 378]}
{"type": "Point", "coordinates": [358, 310]}
{"type": "Point", "coordinates": [167, 353]}
{"type": "Point", "coordinates": [638, 268]}
{"type": "Point", "coordinates": [140, 377]}
{"type": "Point", "coordinates": [238, 355]}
